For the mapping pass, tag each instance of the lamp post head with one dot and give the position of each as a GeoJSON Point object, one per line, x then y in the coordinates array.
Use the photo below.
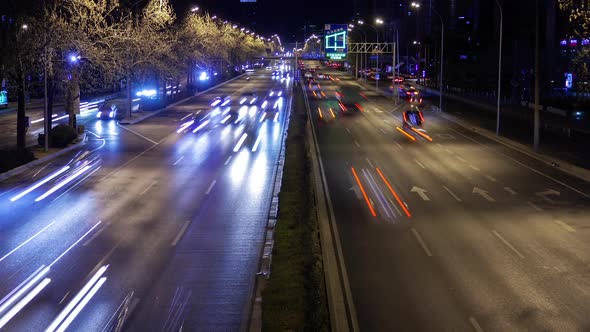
{"type": "Point", "coordinates": [415, 5]}
{"type": "Point", "coordinates": [378, 21]}
{"type": "Point", "coordinates": [195, 9]}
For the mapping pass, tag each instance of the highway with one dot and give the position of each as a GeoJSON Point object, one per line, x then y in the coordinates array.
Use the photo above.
{"type": "Point", "coordinates": [449, 231]}
{"type": "Point", "coordinates": [153, 226]}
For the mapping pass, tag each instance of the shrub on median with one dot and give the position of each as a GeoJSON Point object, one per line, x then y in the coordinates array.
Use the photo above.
{"type": "Point", "coordinates": [62, 135]}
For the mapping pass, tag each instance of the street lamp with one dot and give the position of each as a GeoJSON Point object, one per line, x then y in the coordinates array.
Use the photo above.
{"type": "Point", "coordinates": [442, 47]}
{"type": "Point", "coordinates": [499, 72]}
{"type": "Point", "coordinates": [195, 9]}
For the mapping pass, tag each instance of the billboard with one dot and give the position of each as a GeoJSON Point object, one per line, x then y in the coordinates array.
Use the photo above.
{"type": "Point", "coordinates": [335, 41]}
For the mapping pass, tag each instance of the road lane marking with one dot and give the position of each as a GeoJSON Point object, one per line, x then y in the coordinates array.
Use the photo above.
{"type": "Point", "coordinates": [508, 244]}
{"type": "Point", "coordinates": [148, 188]}
{"type": "Point", "coordinates": [461, 159]}
{"type": "Point", "coordinates": [449, 151]}
{"type": "Point", "coordinates": [95, 235]}
{"type": "Point", "coordinates": [419, 238]}
{"type": "Point", "coordinates": [136, 133]}
{"type": "Point", "coordinates": [367, 200]}
{"type": "Point", "coordinates": [535, 206]}
{"type": "Point", "coordinates": [186, 116]}
{"type": "Point", "coordinates": [564, 225]}
{"type": "Point", "coordinates": [179, 159]}
{"type": "Point", "coordinates": [228, 160]}
{"type": "Point", "coordinates": [524, 165]}
{"type": "Point", "coordinates": [74, 244]}
{"type": "Point", "coordinates": [370, 163]}
{"type": "Point", "coordinates": [394, 193]}
{"type": "Point", "coordinates": [452, 194]}
{"type": "Point", "coordinates": [42, 168]}
{"type": "Point", "coordinates": [348, 131]}
{"type": "Point", "coordinates": [510, 190]}
{"type": "Point", "coordinates": [27, 241]}
{"type": "Point", "coordinates": [491, 178]}
{"type": "Point", "coordinates": [357, 144]}
{"type": "Point", "coordinates": [475, 325]}
{"type": "Point", "coordinates": [439, 145]}
{"type": "Point", "coordinates": [399, 145]}
{"type": "Point", "coordinates": [181, 233]}
{"type": "Point", "coordinates": [483, 193]}
{"type": "Point", "coordinates": [475, 168]}
{"type": "Point", "coordinates": [210, 187]}
{"type": "Point", "coordinates": [383, 131]}
{"type": "Point", "coordinates": [65, 296]}
{"type": "Point", "coordinates": [417, 162]}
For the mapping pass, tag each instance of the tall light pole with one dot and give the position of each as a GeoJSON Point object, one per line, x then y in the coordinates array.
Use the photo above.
{"type": "Point", "coordinates": [378, 21]}
{"type": "Point", "coordinates": [442, 48]}
{"type": "Point", "coordinates": [363, 55]}
{"type": "Point", "coordinates": [499, 71]}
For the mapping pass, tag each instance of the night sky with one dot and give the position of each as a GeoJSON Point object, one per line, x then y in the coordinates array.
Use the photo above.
{"type": "Point", "coordinates": [286, 18]}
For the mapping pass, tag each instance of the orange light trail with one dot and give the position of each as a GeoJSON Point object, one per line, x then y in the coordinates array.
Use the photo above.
{"type": "Point", "coordinates": [394, 193]}
{"type": "Point", "coordinates": [359, 107]}
{"type": "Point", "coordinates": [320, 113]}
{"type": "Point", "coordinates": [363, 95]}
{"type": "Point", "coordinates": [364, 193]}
{"type": "Point", "coordinates": [404, 132]}
{"type": "Point", "coordinates": [332, 112]}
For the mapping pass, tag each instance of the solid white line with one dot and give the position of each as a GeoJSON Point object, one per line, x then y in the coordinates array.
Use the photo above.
{"type": "Point", "coordinates": [179, 159]}
{"type": "Point", "coordinates": [475, 325]}
{"type": "Point", "coordinates": [452, 194]}
{"type": "Point", "coordinates": [136, 133]}
{"type": "Point", "coordinates": [565, 226]}
{"type": "Point", "coordinates": [417, 162]}
{"type": "Point", "coordinates": [508, 244]}
{"type": "Point", "coordinates": [227, 161]}
{"type": "Point", "coordinates": [27, 241]}
{"type": "Point", "coordinates": [357, 144]}
{"type": "Point", "coordinates": [148, 188]}
{"type": "Point", "coordinates": [74, 244]}
{"type": "Point", "coordinates": [42, 168]}
{"type": "Point", "coordinates": [210, 187]}
{"type": "Point", "coordinates": [87, 242]}
{"type": "Point", "coordinates": [419, 238]}
{"type": "Point", "coordinates": [535, 206]}
{"type": "Point", "coordinates": [526, 166]}
{"type": "Point", "coordinates": [181, 233]}
{"type": "Point", "coordinates": [186, 116]}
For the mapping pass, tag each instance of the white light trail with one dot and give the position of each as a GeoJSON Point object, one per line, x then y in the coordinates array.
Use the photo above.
{"type": "Point", "coordinates": [201, 126]}
{"type": "Point", "coordinates": [15, 310]}
{"type": "Point", "coordinates": [240, 142]}
{"type": "Point", "coordinates": [63, 183]}
{"type": "Point", "coordinates": [39, 183]}
{"type": "Point", "coordinates": [74, 302]}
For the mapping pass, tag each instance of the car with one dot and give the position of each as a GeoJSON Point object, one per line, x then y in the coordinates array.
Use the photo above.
{"type": "Point", "coordinates": [413, 117]}
{"type": "Point", "coordinates": [221, 101]}
{"type": "Point", "coordinates": [107, 111]}
{"type": "Point", "coordinates": [349, 108]}
{"type": "Point", "coordinates": [248, 98]}
{"type": "Point", "coordinates": [412, 92]}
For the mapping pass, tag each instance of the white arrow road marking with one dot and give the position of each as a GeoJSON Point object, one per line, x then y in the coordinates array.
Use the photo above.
{"type": "Point", "coordinates": [483, 193]}
{"type": "Point", "coordinates": [565, 226]}
{"type": "Point", "coordinates": [544, 194]}
{"type": "Point", "coordinates": [452, 194]}
{"type": "Point", "coordinates": [421, 192]}
{"type": "Point", "coordinates": [510, 190]}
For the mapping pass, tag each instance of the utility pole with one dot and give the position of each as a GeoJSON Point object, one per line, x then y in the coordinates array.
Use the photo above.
{"type": "Point", "coordinates": [499, 72]}
{"type": "Point", "coordinates": [537, 119]}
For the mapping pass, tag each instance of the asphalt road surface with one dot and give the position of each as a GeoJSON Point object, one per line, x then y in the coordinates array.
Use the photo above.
{"type": "Point", "coordinates": [455, 233]}
{"type": "Point", "coordinates": [151, 227]}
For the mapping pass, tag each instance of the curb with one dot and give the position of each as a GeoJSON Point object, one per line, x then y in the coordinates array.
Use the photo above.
{"type": "Point", "coordinates": [27, 166]}
{"type": "Point", "coordinates": [149, 115]}
{"type": "Point", "coordinates": [562, 165]}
